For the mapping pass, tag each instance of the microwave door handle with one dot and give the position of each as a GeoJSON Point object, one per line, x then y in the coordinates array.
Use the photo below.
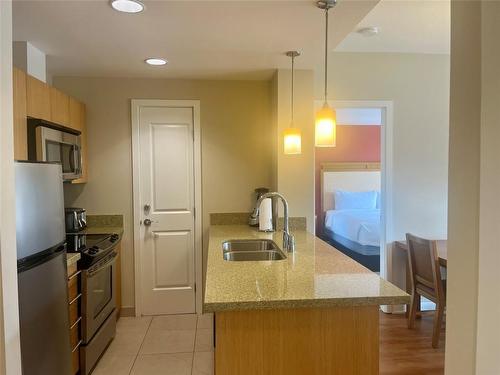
{"type": "Point", "coordinates": [72, 160]}
{"type": "Point", "coordinates": [78, 157]}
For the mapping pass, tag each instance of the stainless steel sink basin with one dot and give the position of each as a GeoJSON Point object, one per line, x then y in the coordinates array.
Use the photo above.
{"type": "Point", "coordinates": [251, 250]}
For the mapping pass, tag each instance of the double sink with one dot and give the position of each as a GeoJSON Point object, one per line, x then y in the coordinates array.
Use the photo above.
{"type": "Point", "coordinates": [251, 250]}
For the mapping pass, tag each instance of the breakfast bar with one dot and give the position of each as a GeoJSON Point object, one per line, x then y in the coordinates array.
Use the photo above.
{"type": "Point", "coordinates": [314, 312]}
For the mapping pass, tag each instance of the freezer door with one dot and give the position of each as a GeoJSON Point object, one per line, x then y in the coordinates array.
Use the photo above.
{"type": "Point", "coordinates": [43, 318]}
{"type": "Point", "coordinates": [39, 207]}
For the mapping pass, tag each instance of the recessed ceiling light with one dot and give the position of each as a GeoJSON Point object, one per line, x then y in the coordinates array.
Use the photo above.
{"type": "Point", "coordinates": [127, 6]}
{"type": "Point", "coordinates": [155, 61]}
{"type": "Point", "coordinates": [369, 31]}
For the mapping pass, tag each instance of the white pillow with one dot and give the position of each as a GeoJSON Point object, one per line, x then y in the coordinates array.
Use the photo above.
{"type": "Point", "coordinates": [352, 200]}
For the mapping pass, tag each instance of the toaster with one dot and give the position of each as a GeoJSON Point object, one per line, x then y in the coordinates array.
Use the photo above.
{"type": "Point", "coordinates": [76, 219]}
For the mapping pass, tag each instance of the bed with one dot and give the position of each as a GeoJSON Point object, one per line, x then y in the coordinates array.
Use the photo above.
{"type": "Point", "coordinates": [350, 207]}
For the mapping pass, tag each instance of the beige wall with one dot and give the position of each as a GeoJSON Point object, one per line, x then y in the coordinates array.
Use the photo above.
{"type": "Point", "coordinates": [295, 173]}
{"type": "Point", "coordinates": [418, 85]}
{"type": "Point", "coordinates": [473, 332]}
{"type": "Point", "coordinates": [236, 139]}
{"type": "Point", "coordinates": [465, 119]}
{"type": "Point", "coordinates": [488, 329]}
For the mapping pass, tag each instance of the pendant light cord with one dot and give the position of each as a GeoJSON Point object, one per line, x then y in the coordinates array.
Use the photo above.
{"type": "Point", "coordinates": [293, 61]}
{"type": "Point", "coordinates": [326, 54]}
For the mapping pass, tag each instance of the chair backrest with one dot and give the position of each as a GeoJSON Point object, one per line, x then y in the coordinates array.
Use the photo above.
{"type": "Point", "coordinates": [424, 265]}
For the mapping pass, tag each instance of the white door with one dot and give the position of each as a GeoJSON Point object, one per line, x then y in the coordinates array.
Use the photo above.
{"type": "Point", "coordinates": [167, 209]}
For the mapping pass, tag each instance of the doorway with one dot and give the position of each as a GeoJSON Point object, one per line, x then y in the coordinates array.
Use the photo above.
{"type": "Point", "coordinates": [374, 174]}
{"type": "Point", "coordinates": [167, 206]}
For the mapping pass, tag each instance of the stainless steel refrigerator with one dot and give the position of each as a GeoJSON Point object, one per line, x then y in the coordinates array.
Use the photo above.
{"type": "Point", "coordinates": [41, 267]}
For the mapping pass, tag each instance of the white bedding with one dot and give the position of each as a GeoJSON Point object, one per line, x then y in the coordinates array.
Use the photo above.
{"type": "Point", "coordinates": [358, 225]}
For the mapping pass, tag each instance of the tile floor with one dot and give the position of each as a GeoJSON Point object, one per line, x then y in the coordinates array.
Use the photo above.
{"type": "Point", "coordinates": [166, 345]}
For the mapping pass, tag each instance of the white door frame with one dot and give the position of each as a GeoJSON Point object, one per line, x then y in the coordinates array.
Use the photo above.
{"type": "Point", "coordinates": [136, 105]}
{"type": "Point", "coordinates": [386, 166]}
{"type": "Point", "coordinates": [10, 349]}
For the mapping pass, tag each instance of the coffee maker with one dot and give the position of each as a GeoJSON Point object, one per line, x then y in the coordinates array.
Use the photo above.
{"type": "Point", "coordinates": [253, 220]}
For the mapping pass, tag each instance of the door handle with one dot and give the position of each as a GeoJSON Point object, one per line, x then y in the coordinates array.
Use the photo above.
{"type": "Point", "coordinates": [148, 222]}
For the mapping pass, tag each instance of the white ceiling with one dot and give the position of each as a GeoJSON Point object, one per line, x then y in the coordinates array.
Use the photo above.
{"type": "Point", "coordinates": [201, 39]}
{"type": "Point", "coordinates": [405, 26]}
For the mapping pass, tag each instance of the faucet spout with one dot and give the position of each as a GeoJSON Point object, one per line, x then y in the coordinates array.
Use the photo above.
{"type": "Point", "coordinates": [288, 238]}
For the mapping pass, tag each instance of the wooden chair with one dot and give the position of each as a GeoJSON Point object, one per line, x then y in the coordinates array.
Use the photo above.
{"type": "Point", "coordinates": [426, 281]}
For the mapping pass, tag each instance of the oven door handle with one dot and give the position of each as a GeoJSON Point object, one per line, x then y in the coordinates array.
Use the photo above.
{"type": "Point", "coordinates": [91, 273]}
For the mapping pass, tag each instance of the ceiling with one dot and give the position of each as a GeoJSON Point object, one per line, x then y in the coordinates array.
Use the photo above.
{"type": "Point", "coordinates": [200, 39]}
{"type": "Point", "coordinates": [407, 26]}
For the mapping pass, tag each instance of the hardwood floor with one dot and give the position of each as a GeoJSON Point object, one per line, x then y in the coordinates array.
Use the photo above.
{"type": "Point", "coordinates": [409, 352]}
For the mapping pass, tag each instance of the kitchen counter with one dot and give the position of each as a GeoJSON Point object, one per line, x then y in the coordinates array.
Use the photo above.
{"type": "Point", "coordinates": [72, 258]}
{"type": "Point", "coordinates": [316, 275]}
{"type": "Point", "coordinates": [317, 311]}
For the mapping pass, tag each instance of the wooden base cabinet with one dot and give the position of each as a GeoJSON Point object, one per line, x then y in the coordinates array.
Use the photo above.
{"type": "Point", "coordinates": [74, 301]}
{"type": "Point", "coordinates": [310, 341]}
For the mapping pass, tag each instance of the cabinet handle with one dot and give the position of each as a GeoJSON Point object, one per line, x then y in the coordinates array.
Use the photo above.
{"type": "Point", "coordinates": [75, 323]}
{"type": "Point", "coordinates": [74, 275]}
{"type": "Point", "coordinates": [77, 346]}
{"type": "Point", "coordinates": [75, 299]}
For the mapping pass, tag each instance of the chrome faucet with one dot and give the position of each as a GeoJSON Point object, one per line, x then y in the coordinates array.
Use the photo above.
{"type": "Point", "coordinates": [288, 239]}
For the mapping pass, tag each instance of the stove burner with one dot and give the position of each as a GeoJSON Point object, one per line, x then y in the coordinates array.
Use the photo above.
{"type": "Point", "coordinates": [92, 247]}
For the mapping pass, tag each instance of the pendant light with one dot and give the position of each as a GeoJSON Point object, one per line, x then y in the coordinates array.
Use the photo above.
{"type": "Point", "coordinates": [292, 138]}
{"type": "Point", "coordinates": [326, 118]}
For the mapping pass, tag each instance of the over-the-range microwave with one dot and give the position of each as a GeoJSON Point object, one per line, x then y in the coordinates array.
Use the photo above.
{"type": "Point", "coordinates": [51, 142]}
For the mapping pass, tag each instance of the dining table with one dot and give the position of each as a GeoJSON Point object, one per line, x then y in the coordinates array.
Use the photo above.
{"type": "Point", "coordinates": [442, 249]}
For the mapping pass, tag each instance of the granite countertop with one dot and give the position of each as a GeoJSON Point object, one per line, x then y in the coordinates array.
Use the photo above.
{"type": "Point", "coordinates": [316, 275]}
{"type": "Point", "coordinates": [72, 258]}
{"type": "Point", "coordinates": [103, 230]}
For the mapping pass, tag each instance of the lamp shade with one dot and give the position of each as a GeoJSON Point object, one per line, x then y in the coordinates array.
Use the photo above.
{"type": "Point", "coordinates": [326, 127]}
{"type": "Point", "coordinates": [292, 141]}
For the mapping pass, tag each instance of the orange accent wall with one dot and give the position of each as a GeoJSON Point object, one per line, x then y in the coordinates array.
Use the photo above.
{"type": "Point", "coordinates": [355, 143]}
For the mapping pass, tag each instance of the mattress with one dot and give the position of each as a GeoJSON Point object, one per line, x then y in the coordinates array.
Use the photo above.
{"type": "Point", "coordinates": [361, 226]}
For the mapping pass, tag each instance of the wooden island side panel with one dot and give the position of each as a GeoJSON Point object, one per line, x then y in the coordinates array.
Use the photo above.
{"type": "Point", "coordinates": [316, 341]}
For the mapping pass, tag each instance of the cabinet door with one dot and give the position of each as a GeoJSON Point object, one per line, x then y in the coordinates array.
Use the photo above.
{"type": "Point", "coordinates": [20, 123]}
{"type": "Point", "coordinates": [76, 110]}
{"type": "Point", "coordinates": [83, 138]}
{"type": "Point", "coordinates": [37, 98]}
{"type": "Point", "coordinates": [59, 107]}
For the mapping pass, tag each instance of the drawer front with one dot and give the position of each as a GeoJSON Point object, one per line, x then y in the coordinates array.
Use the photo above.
{"type": "Point", "coordinates": [73, 288]}
{"type": "Point", "coordinates": [74, 311]}
{"type": "Point", "coordinates": [76, 360]}
{"type": "Point", "coordinates": [75, 334]}
{"type": "Point", "coordinates": [72, 270]}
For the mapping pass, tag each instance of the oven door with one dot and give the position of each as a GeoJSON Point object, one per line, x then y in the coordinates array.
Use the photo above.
{"type": "Point", "coordinates": [98, 295]}
{"type": "Point", "coordinates": [61, 147]}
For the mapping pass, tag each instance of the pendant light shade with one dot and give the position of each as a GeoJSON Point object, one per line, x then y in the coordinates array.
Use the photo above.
{"type": "Point", "coordinates": [292, 137]}
{"type": "Point", "coordinates": [326, 127]}
{"type": "Point", "coordinates": [292, 141]}
{"type": "Point", "coordinates": [326, 118]}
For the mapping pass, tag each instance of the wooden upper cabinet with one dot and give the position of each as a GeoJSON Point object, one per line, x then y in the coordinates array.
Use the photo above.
{"type": "Point", "coordinates": [20, 123]}
{"type": "Point", "coordinates": [76, 110]}
{"type": "Point", "coordinates": [37, 98]}
{"type": "Point", "coordinates": [59, 107]}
